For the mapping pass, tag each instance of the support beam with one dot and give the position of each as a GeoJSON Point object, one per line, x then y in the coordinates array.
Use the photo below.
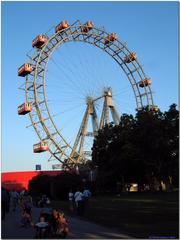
{"type": "Point", "coordinates": [106, 113]}
{"type": "Point", "coordinates": [78, 150]}
{"type": "Point", "coordinates": [107, 107]}
{"type": "Point", "coordinates": [79, 134]}
{"type": "Point", "coordinates": [83, 134]}
{"type": "Point", "coordinates": [102, 116]}
{"type": "Point", "coordinates": [95, 121]}
{"type": "Point", "coordinates": [115, 115]}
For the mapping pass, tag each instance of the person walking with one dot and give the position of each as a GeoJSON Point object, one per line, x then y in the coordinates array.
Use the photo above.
{"type": "Point", "coordinates": [23, 191]}
{"type": "Point", "coordinates": [21, 195]}
{"type": "Point", "coordinates": [8, 201]}
{"type": "Point", "coordinates": [86, 196]}
{"type": "Point", "coordinates": [4, 202]}
{"type": "Point", "coordinates": [26, 209]}
{"type": "Point", "coordinates": [44, 201]}
{"type": "Point", "coordinates": [86, 193]}
{"type": "Point", "coordinates": [71, 200]}
{"type": "Point", "coordinates": [78, 197]}
{"type": "Point", "coordinates": [15, 199]}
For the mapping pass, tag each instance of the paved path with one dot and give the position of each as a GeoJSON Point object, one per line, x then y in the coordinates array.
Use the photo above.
{"type": "Point", "coordinates": [79, 229]}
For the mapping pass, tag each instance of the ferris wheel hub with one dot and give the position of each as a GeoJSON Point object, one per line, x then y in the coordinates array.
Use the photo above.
{"type": "Point", "coordinates": [108, 91]}
{"type": "Point", "coordinates": [89, 100]}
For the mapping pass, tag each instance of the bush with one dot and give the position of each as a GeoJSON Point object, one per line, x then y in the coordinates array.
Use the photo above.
{"type": "Point", "coordinates": [63, 183]}
{"type": "Point", "coordinates": [56, 187]}
{"type": "Point", "coordinates": [40, 185]}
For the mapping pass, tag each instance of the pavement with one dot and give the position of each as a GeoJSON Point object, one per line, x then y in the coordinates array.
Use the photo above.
{"type": "Point", "coordinates": [79, 229]}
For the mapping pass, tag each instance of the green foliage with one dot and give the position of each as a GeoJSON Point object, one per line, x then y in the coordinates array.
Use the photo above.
{"type": "Point", "coordinates": [40, 185]}
{"type": "Point", "coordinates": [139, 149]}
{"type": "Point", "coordinates": [55, 186]}
{"type": "Point", "coordinates": [64, 182]}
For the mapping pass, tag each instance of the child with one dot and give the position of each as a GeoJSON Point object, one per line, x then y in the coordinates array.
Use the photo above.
{"type": "Point", "coordinates": [41, 228]}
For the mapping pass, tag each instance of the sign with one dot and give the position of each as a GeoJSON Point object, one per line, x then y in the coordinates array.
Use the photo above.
{"type": "Point", "coordinates": [56, 166]}
{"type": "Point", "coordinates": [88, 153]}
{"type": "Point", "coordinates": [38, 167]}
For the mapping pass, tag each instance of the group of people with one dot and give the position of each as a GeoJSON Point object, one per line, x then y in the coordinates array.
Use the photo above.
{"type": "Point", "coordinates": [13, 198]}
{"type": "Point", "coordinates": [78, 201]}
{"type": "Point", "coordinates": [43, 201]}
{"type": "Point", "coordinates": [5, 201]}
{"type": "Point", "coordinates": [51, 222]}
{"type": "Point", "coordinates": [26, 204]}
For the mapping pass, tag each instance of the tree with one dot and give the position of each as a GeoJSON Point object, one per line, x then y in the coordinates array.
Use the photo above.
{"type": "Point", "coordinates": [172, 128]}
{"type": "Point", "coordinates": [55, 186]}
{"type": "Point", "coordinates": [113, 152]}
{"type": "Point", "coordinates": [62, 184]}
{"type": "Point", "coordinates": [40, 185]}
{"type": "Point", "coordinates": [139, 149]}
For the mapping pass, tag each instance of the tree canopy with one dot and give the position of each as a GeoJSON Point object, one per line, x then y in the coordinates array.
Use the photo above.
{"type": "Point", "coordinates": [139, 148]}
{"type": "Point", "coordinates": [56, 187]}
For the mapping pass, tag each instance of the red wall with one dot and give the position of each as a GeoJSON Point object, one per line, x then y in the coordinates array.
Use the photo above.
{"type": "Point", "coordinates": [19, 180]}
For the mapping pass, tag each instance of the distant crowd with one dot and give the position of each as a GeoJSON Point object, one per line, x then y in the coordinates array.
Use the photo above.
{"type": "Point", "coordinates": [78, 201]}
{"type": "Point", "coordinates": [51, 222]}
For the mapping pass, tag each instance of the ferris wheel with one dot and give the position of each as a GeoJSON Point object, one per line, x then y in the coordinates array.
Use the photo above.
{"type": "Point", "coordinates": [36, 102]}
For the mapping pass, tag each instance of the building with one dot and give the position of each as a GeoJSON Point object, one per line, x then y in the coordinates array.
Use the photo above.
{"type": "Point", "coordinates": [19, 180]}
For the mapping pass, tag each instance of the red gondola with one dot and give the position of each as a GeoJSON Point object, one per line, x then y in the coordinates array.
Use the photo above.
{"type": "Point", "coordinates": [40, 147]}
{"type": "Point", "coordinates": [145, 82]}
{"type": "Point", "coordinates": [25, 108]}
{"type": "Point", "coordinates": [87, 26]}
{"type": "Point", "coordinates": [61, 26]}
{"type": "Point", "coordinates": [111, 38]}
{"type": "Point", "coordinates": [25, 69]}
{"type": "Point", "coordinates": [131, 57]}
{"type": "Point", "coordinates": [39, 41]}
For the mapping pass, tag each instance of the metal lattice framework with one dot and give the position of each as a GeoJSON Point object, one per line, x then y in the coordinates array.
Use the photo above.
{"type": "Point", "coordinates": [35, 86]}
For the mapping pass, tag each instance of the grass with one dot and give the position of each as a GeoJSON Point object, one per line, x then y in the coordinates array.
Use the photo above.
{"type": "Point", "coordinates": [141, 215]}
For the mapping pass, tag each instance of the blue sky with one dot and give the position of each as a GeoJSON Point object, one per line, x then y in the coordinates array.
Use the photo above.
{"type": "Point", "coordinates": [149, 28]}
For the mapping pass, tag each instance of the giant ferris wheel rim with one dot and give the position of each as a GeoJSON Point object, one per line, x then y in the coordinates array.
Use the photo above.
{"type": "Point", "coordinates": [117, 50]}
